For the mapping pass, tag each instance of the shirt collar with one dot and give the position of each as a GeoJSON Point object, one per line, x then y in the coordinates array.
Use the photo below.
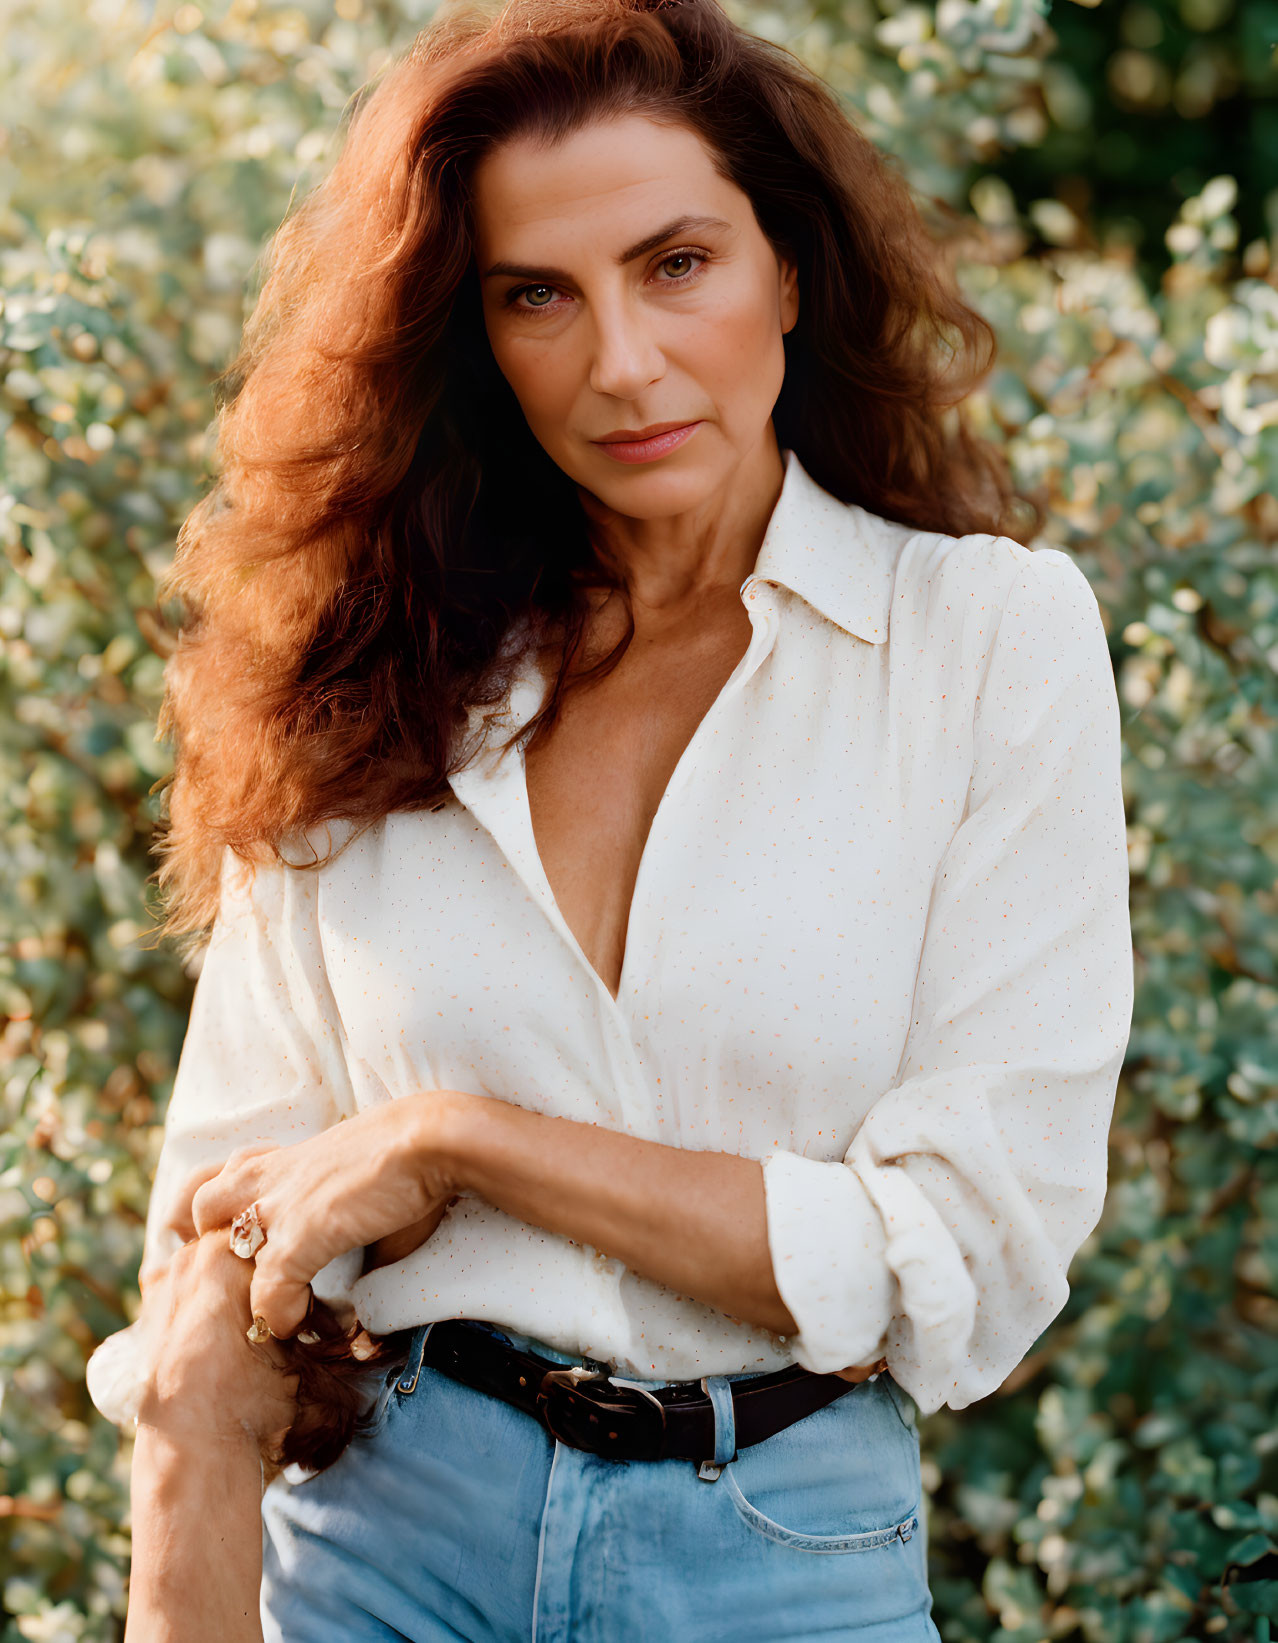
{"type": "Point", "coordinates": [837, 556]}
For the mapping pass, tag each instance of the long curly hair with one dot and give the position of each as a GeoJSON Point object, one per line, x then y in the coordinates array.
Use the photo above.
{"type": "Point", "coordinates": [382, 520]}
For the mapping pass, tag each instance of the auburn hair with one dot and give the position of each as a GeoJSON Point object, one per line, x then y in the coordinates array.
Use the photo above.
{"type": "Point", "coordinates": [384, 537]}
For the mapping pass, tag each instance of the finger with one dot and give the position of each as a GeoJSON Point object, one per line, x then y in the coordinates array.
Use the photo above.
{"type": "Point", "coordinates": [396, 1245]}
{"type": "Point", "coordinates": [180, 1217]}
{"type": "Point", "coordinates": [282, 1297]}
{"type": "Point", "coordinates": [232, 1188]}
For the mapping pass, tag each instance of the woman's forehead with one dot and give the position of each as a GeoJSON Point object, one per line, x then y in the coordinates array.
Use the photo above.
{"type": "Point", "coordinates": [608, 184]}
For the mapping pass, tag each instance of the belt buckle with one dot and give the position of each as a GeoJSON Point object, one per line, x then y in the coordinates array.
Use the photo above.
{"type": "Point", "coordinates": [626, 1426]}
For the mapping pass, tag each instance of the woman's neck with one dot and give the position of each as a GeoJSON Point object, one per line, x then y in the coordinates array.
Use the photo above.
{"type": "Point", "coordinates": [673, 562]}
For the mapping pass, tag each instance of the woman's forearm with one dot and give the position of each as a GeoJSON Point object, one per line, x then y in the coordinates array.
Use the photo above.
{"type": "Point", "coordinates": [694, 1221]}
{"type": "Point", "coordinates": [196, 1574]}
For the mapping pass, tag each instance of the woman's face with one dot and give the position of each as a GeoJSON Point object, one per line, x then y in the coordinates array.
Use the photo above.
{"type": "Point", "coordinates": [629, 291]}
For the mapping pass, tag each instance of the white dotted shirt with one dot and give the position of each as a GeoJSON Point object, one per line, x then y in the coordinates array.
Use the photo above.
{"type": "Point", "coordinates": [879, 941]}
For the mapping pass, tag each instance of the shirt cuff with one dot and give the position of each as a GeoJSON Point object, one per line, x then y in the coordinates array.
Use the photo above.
{"type": "Point", "coordinates": [116, 1376]}
{"type": "Point", "coordinates": [828, 1245]}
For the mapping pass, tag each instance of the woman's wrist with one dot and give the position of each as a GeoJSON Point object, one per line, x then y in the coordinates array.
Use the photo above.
{"type": "Point", "coordinates": [176, 1445]}
{"type": "Point", "coordinates": [190, 1408]}
{"type": "Point", "coordinates": [444, 1139]}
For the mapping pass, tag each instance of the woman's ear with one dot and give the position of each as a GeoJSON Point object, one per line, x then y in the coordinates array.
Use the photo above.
{"type": "Point", "coordinates": [789, 290]}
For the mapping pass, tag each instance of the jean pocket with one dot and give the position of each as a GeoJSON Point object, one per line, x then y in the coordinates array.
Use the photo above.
{"type": "Point", "coordinates": [845, 1479]}
{"type": "Point", "coordinates": [377, 1410]}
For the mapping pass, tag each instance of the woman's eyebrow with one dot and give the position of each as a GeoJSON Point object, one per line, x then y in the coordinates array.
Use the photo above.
{"type": "Point", "coordinates": [650, 242]}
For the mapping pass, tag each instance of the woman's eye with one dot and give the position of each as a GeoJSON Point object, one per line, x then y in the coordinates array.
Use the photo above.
{"type": "Point", "coordinates": [677, 267]}
{"type": "Point", "coordinates": [679, 264]}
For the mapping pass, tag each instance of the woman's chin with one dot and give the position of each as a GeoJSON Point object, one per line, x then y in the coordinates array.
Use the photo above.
{"type": "Point", "coordinates": [659, 490]}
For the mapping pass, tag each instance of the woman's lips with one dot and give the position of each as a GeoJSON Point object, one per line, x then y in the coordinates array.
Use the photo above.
{"type": "Point", "coordinates": [649, 449]}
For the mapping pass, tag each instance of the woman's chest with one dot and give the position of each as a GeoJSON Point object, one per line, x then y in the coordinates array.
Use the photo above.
{"type": "Point", "coordinates": [596, 778]}
{"type": "Point", "coordinates": [773, 935]}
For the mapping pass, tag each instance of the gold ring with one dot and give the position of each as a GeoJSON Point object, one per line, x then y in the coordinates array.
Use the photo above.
{"type": "Point", "coordinates": [247, 1232]}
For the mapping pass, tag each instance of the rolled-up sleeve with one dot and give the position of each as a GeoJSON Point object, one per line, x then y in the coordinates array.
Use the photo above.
{"type": "Point", "coordinates": [263, 1059]}
{"type": "Point", "coordinates": [943, 1238]}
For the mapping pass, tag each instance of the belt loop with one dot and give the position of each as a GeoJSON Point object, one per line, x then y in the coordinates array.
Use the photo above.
{"type": "Point", "coordinates": [407, 1385]}
{"type": "Point", "coordinates": [718, 1388]}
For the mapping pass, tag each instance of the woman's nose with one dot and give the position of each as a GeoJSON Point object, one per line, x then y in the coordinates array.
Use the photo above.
{"type": "Point", "coordinates": [627, 358]}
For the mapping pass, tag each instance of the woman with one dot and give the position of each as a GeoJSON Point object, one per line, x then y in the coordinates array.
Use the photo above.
{"type": "Point", "coordinates": [695, 1032]}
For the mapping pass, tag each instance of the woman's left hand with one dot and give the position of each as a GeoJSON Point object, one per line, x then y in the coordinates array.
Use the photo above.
{"type": "Point", "coordinates": [378, 1175]}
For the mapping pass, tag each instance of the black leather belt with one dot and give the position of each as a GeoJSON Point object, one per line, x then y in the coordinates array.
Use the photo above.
{"type": "Point", "coordinates": [582, 1407]}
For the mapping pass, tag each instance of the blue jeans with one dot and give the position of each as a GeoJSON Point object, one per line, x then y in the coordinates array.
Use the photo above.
{"type": "Point", "coordinates": [459, 1517]}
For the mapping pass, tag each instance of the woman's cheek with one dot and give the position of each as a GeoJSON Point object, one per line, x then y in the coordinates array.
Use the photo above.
{"type": "Point", "coordinates": [743, 361]}
{"type": "Point", "coordinates": [734, 338]}
{"type": "Point", "coordinates": [543, 379]}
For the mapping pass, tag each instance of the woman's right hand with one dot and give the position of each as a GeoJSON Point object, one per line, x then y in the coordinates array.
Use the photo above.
{"type": "Point", "coordinates": [207, 1382]}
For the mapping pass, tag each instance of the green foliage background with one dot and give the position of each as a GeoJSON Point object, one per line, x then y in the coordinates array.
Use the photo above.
{"type": "Point", "coordinates": [1112, 170]}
